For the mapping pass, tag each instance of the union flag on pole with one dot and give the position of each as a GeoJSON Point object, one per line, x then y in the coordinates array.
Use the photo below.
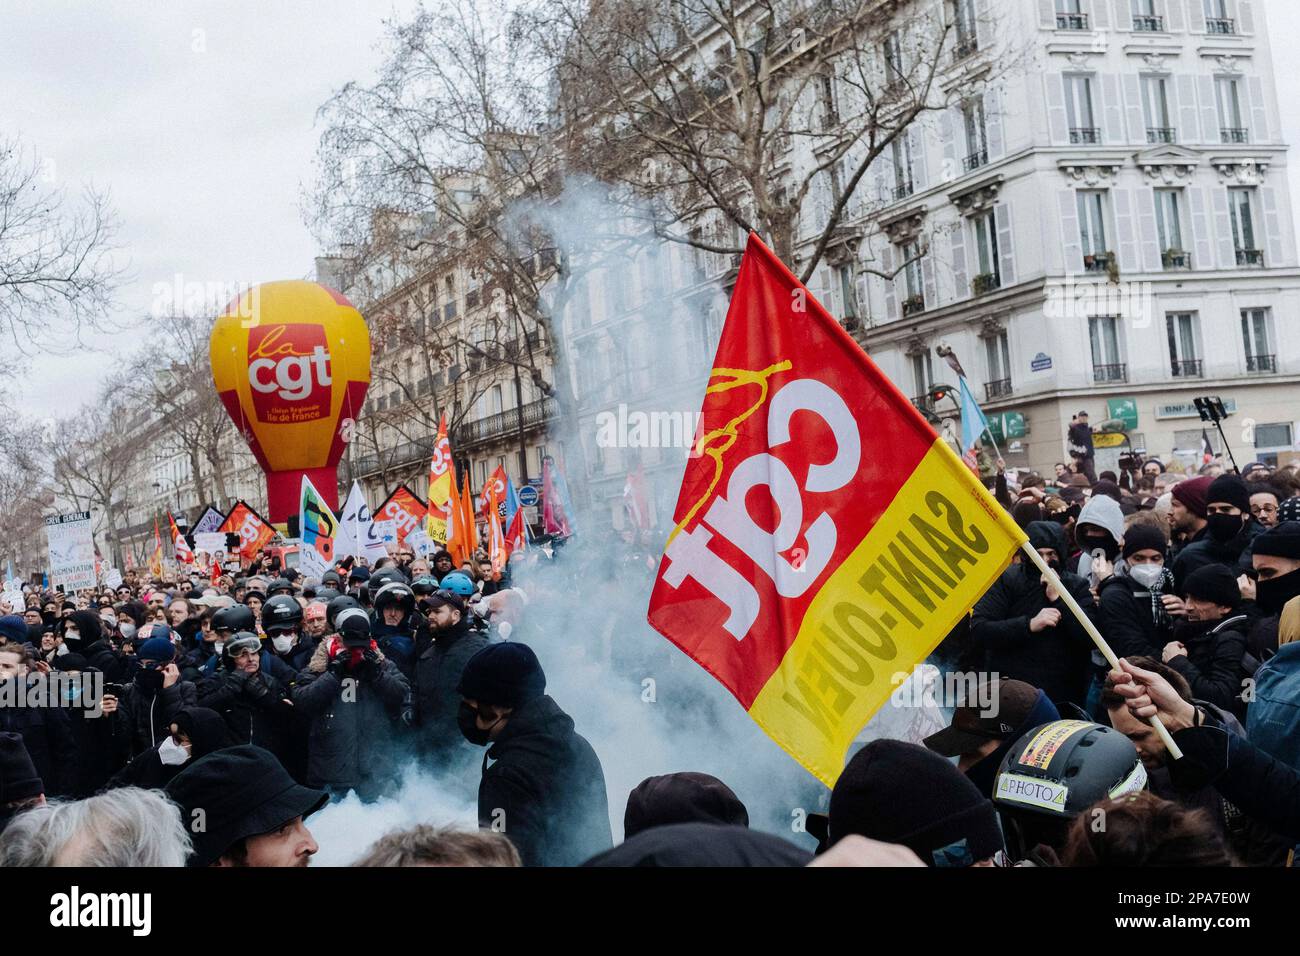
{"type": "Point", "coordinates": [440, 482]}
{"type": "Point", "coordinates": [156, 559]}
{"type": "Point", "coordinates": [184, 555]}
{"type": "Point", "coordinates": [825, 537]}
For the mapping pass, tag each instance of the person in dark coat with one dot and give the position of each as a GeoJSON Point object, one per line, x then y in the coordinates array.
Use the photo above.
{"type": "Point", "coordinates": [438, 671]}
{"type": "Point", "coordinates": [1228, 533]}
{"type": "Point", "coordinates": [1079, 442]}
{"type": "Point", "coordinates": [152, 700]}
{"type": "Point", "coordinates": [45, 730]}
{"type": "Point", "coordinates": [1132, 613]}
{"type": "Point", "coordinates": [196, 732]}
{"type": "Point", "coordinates": [1209, 648]}
{"type": "Point", "coordinates": [544, 787]}
{"type": "Point", "coordinates": [254, 705]}
{"type": "Point", "coordinates": [21, 787]}
{"type": "Point", "coordinates": [702, 844]}
{"type": "Point", "coordinates": [681, 798]}
{"type": "Point", "coordinates": [102, 744]}
{"type": "Point", "coordinates": [1021, 634]}
{"type": "Point", "coordinates": [354, 696]}
{"type": "Point", "coordinates": [394, 624]}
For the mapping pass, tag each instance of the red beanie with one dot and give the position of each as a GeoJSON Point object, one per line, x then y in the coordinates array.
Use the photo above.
{"type": "Point", "coordinates": [1193, 494]}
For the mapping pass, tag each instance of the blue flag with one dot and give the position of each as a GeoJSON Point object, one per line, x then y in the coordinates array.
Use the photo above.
{"type": "Point", "coordinates": [973, 424]}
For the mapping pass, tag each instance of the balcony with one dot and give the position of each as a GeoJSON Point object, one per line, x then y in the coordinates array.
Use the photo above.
{"type": "Point", "coordinates": [1250, 257]}
{"type": "Point", "coordinates": [503, 424]}
{"type": "Point", "coordinates": [975, 160]}
{"type": "Point", "coordinates": [1098, 261]}
{"type": "Point", "coordinates": [913, 304]}
{"type": "Point", "coordinates": [1110, 373]}
{"type": "Point", "coordinates": [1072, 21]}
{"type": "Point", "coordinates": [1145, 23]}
{"type": "Point", "coordinates": [1085, 135]}
{"type": "Point", "coordinates": [966, 47]}
{"type": "Point", "coordinates": [985, 282]}
{"type": "Point", "coordinates": [1176, 259]}
{"type": "Point", "coordinates": [1234, 134]}
{"type": "Point", "coordinates": [1162, 134]}
{"type": "Point", "coordinates": [1186, 368]}
{"type": "Point", "coordinates": [999, 389]}
{"type": "Point", "coordinates": [1261, 363]}
{"type": "Point", "coordinates": [1220, 26]}
{"type": "Point", "coordinates": [902, 191]}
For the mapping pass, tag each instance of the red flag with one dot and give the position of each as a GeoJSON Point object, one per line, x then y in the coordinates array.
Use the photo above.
{"type": "Point", "coordinates": [156, 559]}
{"type": "Point", "coordinates": [184, 555]}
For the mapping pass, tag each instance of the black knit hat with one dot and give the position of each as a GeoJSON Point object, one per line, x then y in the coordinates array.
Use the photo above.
{"type": "Point", "coordinates": [508, 674]}
{"type": "Point", "coordinates": [18, 777]}
{"type": "Point", "coordinates": [1214, 583]}
{"type": "Point", "coordinates": [1230, 489]}
{"type": "Point", "coordinates": [242, 792]}
{"type": "Point", "coordinates": [1280, 541]}
{"type": "Point", "coordinates": [681, 798]}
{"type": "Point", "coordinates": [902, 793]}
{"type": "Point", "coordinates": [1144, 537]}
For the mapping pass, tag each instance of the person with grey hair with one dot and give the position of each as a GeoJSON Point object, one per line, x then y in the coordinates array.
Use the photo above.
{"type": "Point", "coordinates": [426, 845]}
{"type": "Point", "coordinates": [129, 827]}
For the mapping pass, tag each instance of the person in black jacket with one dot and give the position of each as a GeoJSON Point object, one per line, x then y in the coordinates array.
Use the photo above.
{"type": "Point", "coordinates": [150, 703]}
{"type": "Point", "coordinates": [1209, 648]}
{"type": "Point", "coordinates": [102, 745]}
{"type": "Point", "coordinates": [196, 732]}
{"type": "Point", "coordinates": [45, 729]}
{"type": "Point", "coordinates": [1023, 630]}
{"type": "Point", "coordinates": [1137, 607]}
{"type": "Point", "coordinates": [437, 673]}
{"type": "Point", "coordinates": [254, 705]}
{"type": "Point", "coordinates": [545, 787]}
{"type": "Point", "coordinates": [1229, 530]}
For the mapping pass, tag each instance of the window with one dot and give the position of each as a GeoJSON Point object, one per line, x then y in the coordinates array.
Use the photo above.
{"type": "Point", "coordinates": [986, 246]}
{"type": "Point", "coordinates": [902, 150]}
{"type": "Point", "coordinates": [1103, 336]}
{"type": "Point", "coordinates": [1078, 109]}
{"type": "Point", "coordinates": [1092, 230]}
{"type": "Point", "coordinates": [913, 280]}
{"type": "Point", "coordinates": [1184, 346]}
{"type": "Point", "coordinates": [922, 374]}
{"type": "Point", "coordinates": [1257, 336]}
{"type": "Point", "coordinates": [1070, 15]}
{"type": "Point", "coordinates": [1271, 439]}
{"type": "Point", "coordinates": [1231, 125]}
{"type": "Point", "coordinates": [1217, 19]}
{"type": "Point", "coordinates": [494, 401]}
{"type": "Point", "coordinates": [1155, 104]}
{"type": "Point", "coordinates": [963, 18]}
{"type": "Point", "coordinates": [893, 50]}
{"type": "Point", "coordinates": [1145, 18]}
{"type": "Point", "coordinates": [997, 361]}
{"type": "Point", "coordinates": [977, 153]}
{"type": "Point", "coordinates": [1169, 227]}
{"type": "Point", "coordinates": [1243, 228]}
{"type": "Point", "coordinates": [830, 115]}
{"type": "Point", "coordinates": [847, 294]}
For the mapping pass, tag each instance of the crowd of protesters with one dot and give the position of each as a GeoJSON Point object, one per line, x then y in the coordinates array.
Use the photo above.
{"type": "Point", "coordinates": [253, 700]}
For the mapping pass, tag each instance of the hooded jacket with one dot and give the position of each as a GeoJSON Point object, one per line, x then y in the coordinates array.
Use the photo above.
{"type": "Point", "coordinates": [147, 718]}
{"type": "Point", "coordinates": [703, 844]}
{"type": "Point", "coordinates": [1273, 720]}
{"type": "Point", "coordinates": [1206, 549]}
{"type": "Point", "coordinates": [1056, 659]}
{"type": "Point", "coordinates": [1214, 661]}
{"type": "Point", "coordinates": [207, 732]}
{"type": "Point", "coordinates": [546, 786]}
{"type": "Point", "coordinates": [437, 672]}
{"type": "Point", "coordinates": [1101, 511]}
{"type": "Point", "coordinates": [47, 735]}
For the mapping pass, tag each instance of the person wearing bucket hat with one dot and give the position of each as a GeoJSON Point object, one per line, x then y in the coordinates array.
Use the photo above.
{"type": "Point", "coordinates": [545, 784]}
{"type": "Point", "coordinates": [253, 812]}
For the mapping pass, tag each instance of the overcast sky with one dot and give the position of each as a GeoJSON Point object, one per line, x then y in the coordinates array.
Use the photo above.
{"type": "Point", "coordinates": [199, 118]}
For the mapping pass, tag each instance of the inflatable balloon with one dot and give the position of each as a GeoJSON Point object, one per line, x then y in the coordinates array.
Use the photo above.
{"type": "Point", "coordinates": [291, 362]}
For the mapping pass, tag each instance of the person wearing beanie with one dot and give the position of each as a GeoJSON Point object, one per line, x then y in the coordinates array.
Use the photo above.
{"type": "Point", "coordinates": [902, 793]}
{"type": "Point", "coordinates": [44, 727]}
{"type": "Point", "coordinates": [20, 784]}
{"type": "Point", "coordinates": [1227, 531]}
{"type": "Point", "coordinates": [681, 798]}
{"type": "Point", "coordinates": [254, 813]}
{"type": "Point", "coordinates": [13, 629]}
{"type": "Point", "coordinates": [1134, 603]}
{"type": "Point", "coordinates": [1209, 647]}
{"type": "Point", "coordinates": [1275, 559]}
{"type": "Point", "coordinates": [196, 732]}
{"type": "Point", "coordinates": [438, 669]}
{"type": "Point", "coordinates": [544, 786]}
{"type": "Point", "coordinates": [149, 704]}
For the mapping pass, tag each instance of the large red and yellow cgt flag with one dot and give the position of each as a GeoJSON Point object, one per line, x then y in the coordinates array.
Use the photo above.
{"type": "Point", "coordinates": [440, 486]}
{"type": "Point", "coordinates": [825, 537]}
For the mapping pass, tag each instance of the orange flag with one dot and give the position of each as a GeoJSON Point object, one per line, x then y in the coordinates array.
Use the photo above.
{"type": "Point", "coordinates": [156, 559]}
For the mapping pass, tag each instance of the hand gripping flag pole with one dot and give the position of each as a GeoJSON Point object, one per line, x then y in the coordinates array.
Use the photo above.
{"type": "Point", "coordinates": [1050, 577]}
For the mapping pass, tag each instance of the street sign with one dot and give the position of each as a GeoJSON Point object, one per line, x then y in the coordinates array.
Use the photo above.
{"type": "Point", "coordinates": [1125, 409]}
{"type": "Point", "coordinates": [528, 495]}
{"type": "Point", "coordinates": [1040, 362]}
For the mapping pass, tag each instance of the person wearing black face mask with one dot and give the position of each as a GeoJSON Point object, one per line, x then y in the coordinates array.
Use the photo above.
{"type": "Point", "coordinates": [1021, 629]}
{"type": "Point", "coordinates": [1229, 530]}
{"type": "Point", "coordinates": [1275, 556]}
{"type": "Point", "coordinates": [155, 696]}
{"type": "Point", "coordinates": [1209, 647]}
{"type": "Point", "coordinates": [1100, 530]}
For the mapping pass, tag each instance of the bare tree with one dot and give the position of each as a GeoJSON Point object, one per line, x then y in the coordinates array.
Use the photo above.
{"type": "Point", "coordinates": [92, 462]}
{"type": "Point", "coordinates": [56, 258]}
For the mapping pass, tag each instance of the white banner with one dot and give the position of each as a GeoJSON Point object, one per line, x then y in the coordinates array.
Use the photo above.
{"type": "Point", "coordinates": [387, 531]}
{"type": "Point", "coordinates": [358, 534]}
{"type": "Point", "coordinates": [71, 551]}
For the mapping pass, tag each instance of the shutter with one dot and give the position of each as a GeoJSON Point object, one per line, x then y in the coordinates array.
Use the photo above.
{"type": "Point", "coordinates": [927, 281]}
{"type": "Point", "coordinates": [1112, 110]}
{"type": "Point", "coordinates": [1137, 130]}
{"type": "Point", "coordinates": [1124, 15]}
{"type": "Point", "coordinates": [1071, 244]}
{"type": "Point", "coordinates": [1128, 247]}
{"type": "Point", "coordinates": [993, 119]}
{"type": "Point", "coordinates": [1006, 250]}
{"type": "Point", "coordinates": [1273, 226]}
{"type": "Point", "coordinates": [1196, 9]}
{"type": "Point", "coordinates": [1175, 22]}
{"type": "Point", "coordinates": [881, 191]}
{"type": "Point", "coordinates": [920, 169]}
{"type": "Point", "coordinates": [1185, 113]}
{"type": "Point", "coordinates": [1227, 256]}
{"type": "Point", "coordinates": [1147, 232]}
{"type": "Point", "coordinates": [864, 305]}
{"type": "Point", "coordinates": [960, 280]}
{"type": "Point", "coordinates": [1209, 110]}
{"type": "Point", "coordinates": [824, 290]}
{"type": "Point", "coordinates": [891, 285]}
{"type": "Point", "coordinates": [1204, 251]}
{"type": "Point", "coordinates": [1100, 14]}
{"type": "Point", "coordinates": [947, 133]}
{"type": "Point", "coordinates": [1056, 118]}
{"type": "Point", "coordinates": [1246, 17]}
{"type": "Point", "coordinates": [1047, 14]}
{"type": "Point", "coordinates": [1258, 110]}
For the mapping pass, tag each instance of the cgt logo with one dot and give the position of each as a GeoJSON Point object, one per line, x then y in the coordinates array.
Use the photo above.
{"type": "Point", "coordinates": [289, 373]}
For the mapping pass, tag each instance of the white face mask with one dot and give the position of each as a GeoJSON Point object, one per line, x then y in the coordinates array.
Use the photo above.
{"type": "Point", "coordinates": [71, 634]}
{"type": "Point", "coordinates": [127, 629]}
{"type": "Point", "coordinates": [63, 649]}
{"type": "Point", "coordinates": [1146, 574]}
{"type": "Point", "coordinates": [171, 753]}
{"type": "Point", "coordinates": [108, 622]}
{"type": "Point", "coordinates": [282, 642]}
{"type": "Point", "coordinates": [218, 646]}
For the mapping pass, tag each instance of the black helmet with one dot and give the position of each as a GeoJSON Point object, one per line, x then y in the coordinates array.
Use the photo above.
{"type": "Point", "coordinates": [237, 617]}
{"type": "Point", "coordinates": [279, 586]}
{"type": "Point", "coordinates": [324, 594]}
{"type": "Point", "coordinates": [1061, 768]}
{"type": "Point", "coordinates": [385, 576]}
{"type": "Point", "coordinates": [338, 605]}
{"type": "Point", "coordinates": [424, 586]}
{"type": "Point", "coordinates": [281, 613]}
{"type": "Point", "coordinates": [354, 627]}
{"type": "Point", "coordinates": [395, 592]}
